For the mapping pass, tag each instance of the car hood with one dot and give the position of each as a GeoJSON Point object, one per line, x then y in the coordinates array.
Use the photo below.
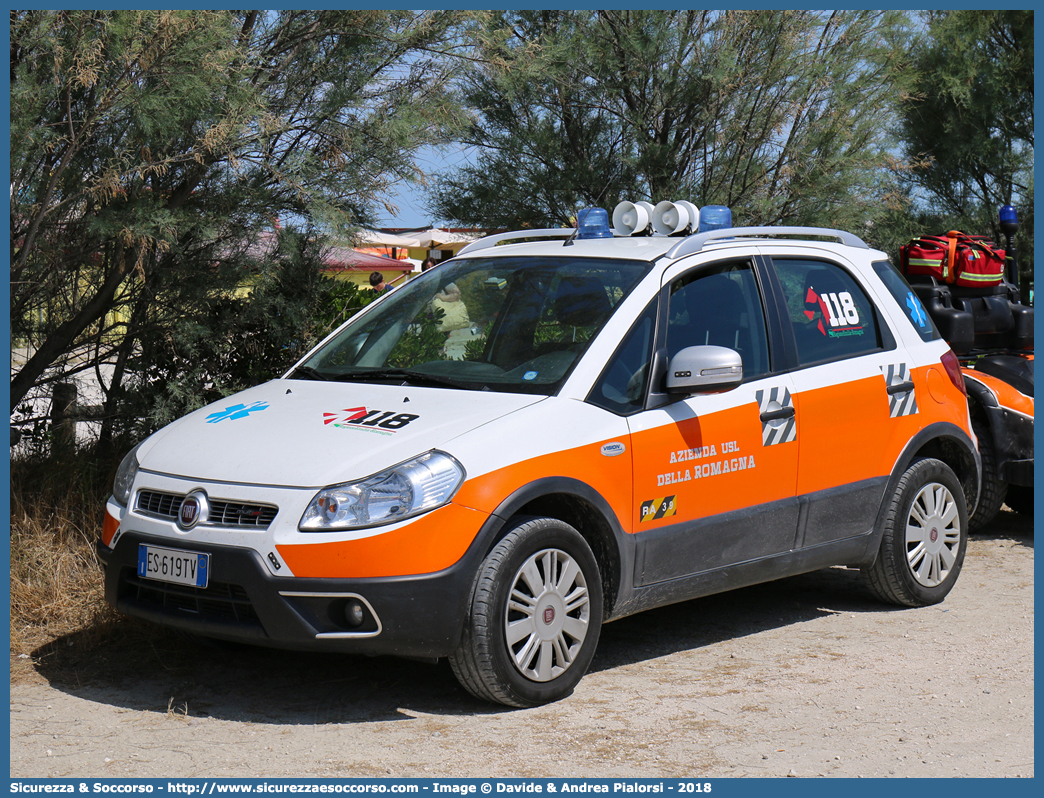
{"type": "Point", "coordinates": [299, 433]}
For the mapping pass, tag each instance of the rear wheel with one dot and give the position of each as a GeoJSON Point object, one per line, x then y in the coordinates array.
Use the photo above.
{"type": "Point", "coordinates": [536, 614]}
{"type": "Point", "coordinates": [994, 489]}
{"type": "Point", "coordinates": [924, 538]}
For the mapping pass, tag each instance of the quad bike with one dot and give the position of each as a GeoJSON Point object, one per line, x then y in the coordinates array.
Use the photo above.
{"type": "Point", "coordinates": [990, 329]}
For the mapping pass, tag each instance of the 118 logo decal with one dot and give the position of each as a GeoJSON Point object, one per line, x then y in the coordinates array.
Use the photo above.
{"type": "Point", "coordinates": [384, 421]}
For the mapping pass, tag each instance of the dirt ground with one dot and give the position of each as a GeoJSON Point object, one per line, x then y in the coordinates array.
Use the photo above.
{"type": "Point", "coordinates": [804, 677]}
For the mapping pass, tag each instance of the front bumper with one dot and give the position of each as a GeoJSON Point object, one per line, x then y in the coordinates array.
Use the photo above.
{"type": "Point", "coordinates": [417, 616]}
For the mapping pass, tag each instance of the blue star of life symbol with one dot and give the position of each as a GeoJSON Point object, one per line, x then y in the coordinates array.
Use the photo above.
{"type": "Point", "coordinates": [236, 411]}
{"type": "Point", "coordinates": [916, 309]}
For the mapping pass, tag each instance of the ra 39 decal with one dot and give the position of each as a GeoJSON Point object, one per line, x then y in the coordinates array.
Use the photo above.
{"type": "Point", "coordinates": [658, 508]}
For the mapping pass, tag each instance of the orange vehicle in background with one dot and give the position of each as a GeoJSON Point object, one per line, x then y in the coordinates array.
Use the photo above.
{"type": "Point", "coordinates": [990, 329]}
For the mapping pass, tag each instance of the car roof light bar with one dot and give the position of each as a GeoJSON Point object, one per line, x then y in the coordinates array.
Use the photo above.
{"type": "Point", "coordinates": [517, 235]}
{"type": "Point", "coordinates": [695, 243]}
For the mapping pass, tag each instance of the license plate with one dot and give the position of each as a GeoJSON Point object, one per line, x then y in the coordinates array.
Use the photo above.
{"type": "Point", "coordinates": [173, 565]}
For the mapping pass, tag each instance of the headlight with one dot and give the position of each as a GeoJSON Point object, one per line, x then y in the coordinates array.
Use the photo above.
{"type": "Point", "coordinates": [121, 486]}
{"type": "Point", "coordinates": [411, 488]}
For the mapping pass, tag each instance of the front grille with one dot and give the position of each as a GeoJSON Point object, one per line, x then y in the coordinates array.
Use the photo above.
{"type": "Point", "coordinates": [219, 602]}
{"type": "Point", "coordinates": [161, 505]}
{"type": "Point", "coordinates": [235, 514]}
{"type": "Point", "coordinates": [232, 515]}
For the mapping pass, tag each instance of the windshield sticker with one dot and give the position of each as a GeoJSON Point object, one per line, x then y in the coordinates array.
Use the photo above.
{"type": "Point", "coordinates": [658, 508]}
{"type": "Point", "coordinates": [916, 310]}
{"type": "Point", "coordinates": [383, 422]}
{"type": "Point", "coordinates": [530, 375]}
{"type": "Point", "coordinates": [236, 412]}
{"type": "Point", "coordinates": [837, 309]}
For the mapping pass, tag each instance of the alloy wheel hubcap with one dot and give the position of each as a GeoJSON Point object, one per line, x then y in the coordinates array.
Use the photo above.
{"type": "Point", "coordinates": [547, 616]}
{"type": "Point", "coordinates": [933, 534]}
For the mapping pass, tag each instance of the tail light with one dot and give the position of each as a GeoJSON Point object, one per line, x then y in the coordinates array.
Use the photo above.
{"type": "Point", "coordinates": [953, 370]}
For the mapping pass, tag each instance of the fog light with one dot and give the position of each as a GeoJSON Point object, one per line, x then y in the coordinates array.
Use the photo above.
{"type": "Point", "coordinates": [354, 613]}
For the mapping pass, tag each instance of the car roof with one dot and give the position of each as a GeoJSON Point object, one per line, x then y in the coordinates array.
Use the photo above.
{"type": "Point", "coordinates": [552, 243]}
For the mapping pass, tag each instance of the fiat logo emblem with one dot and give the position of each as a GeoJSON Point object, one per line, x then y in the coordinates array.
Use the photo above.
{"type": "Point", "coordinates": [934, 534]}
{"type": "Point", "coordinates": [194, 509]}
{"type": "Point", "coordinates": [549, 614]}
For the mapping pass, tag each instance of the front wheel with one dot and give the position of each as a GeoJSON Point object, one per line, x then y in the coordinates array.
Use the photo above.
{"type": "Point", "coordinates": [924, 538]}
{"type": "Point", "coordinates": [536, 614]}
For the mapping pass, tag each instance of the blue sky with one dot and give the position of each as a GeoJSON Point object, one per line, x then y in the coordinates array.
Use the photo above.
{"type": "Point", "coordinates": [410, 200]}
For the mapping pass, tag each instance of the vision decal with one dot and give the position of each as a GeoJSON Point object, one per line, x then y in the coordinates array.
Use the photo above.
{"type": "Point", "coordinates": [383, 422]}
{"type": "Point", "coordinates": [778, 424]}
{"type": "Point", "coordinates": [902, 399]}
{"type": "Point", "coordinates": [658, 508]}
{"type": "Point", "coordinates": [236, 412]}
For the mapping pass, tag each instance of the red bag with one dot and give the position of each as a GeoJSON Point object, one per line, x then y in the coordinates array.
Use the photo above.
{"type": "Point", "coordinates": [927, 256]}
{"type": "Point", "coordinates": [954, 259]}
{"type": "Point", "coordinates": [977, 260]}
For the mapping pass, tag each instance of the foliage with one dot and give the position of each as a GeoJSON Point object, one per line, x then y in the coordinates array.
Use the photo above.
{"type": "Point", "coordinates": [149, 149]}
{"type": "Point", "coordinates": [226, 342]}
{"type": "Point", "coordinates": [421, 343]}
{"type": "Point", "coordinates": [780, 115]}
{"type": "Point", "coordinates": [967, 126]}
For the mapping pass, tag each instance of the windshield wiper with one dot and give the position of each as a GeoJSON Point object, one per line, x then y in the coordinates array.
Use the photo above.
{"type": "Point", "coordinates": [309, 373]}
{"type": "Point", "coordinates": [407, 376]}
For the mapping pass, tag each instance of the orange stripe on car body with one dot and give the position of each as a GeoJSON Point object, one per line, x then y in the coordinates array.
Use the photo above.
{"type": "Point", "coordinates": [847, 435]}
{"type": "Point", "coordinates": [426, 544]}
{"type": "Point", "coordinates": [705, 478]}
{"type": "Point", "coordinates": [109, 526]}
{"type": "Point", "coordinates": [437, 540]}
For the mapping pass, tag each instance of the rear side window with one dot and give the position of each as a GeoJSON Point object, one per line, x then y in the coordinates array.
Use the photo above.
{"type": "Point", "coordinates": [907, 299]}
{"type": "Point", "coordinates": [831, 315]}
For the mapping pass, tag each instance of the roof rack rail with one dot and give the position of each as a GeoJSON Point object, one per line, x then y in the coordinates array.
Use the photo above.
{"type": "Point", "coordinates": [695, 243]}
{"type": "Point", "coordinates": [492, 241]}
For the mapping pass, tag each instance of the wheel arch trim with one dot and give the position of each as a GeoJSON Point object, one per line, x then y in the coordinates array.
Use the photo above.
{"type": "Point", "coordinates": [940, 433]}
{"type": "Point", "coordinates": [610, 536]}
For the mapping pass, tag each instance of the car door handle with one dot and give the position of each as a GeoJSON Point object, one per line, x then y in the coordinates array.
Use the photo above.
{"type": "Point", "coordinates": [900, 387]}
{"type": "Point", "coordinates": [772, 415]}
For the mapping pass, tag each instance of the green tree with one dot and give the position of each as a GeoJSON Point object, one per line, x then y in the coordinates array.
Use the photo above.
{"type": "Point", "coordinates": [967, 125]}
{"type": "Point", "coordinates": [543, 149]}
{"type": "Point", "coordinates": [149, 149]}
{"type": "Point", "coordinates": [781, 115]}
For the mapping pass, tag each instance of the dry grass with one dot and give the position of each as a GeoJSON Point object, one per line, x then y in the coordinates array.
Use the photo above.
{"type": "Point", "coordinates": [61, 627]}
{"type": "Point", "coordinates": [56, 578]}
{"type": "Point", "coordinates": [55, 574]}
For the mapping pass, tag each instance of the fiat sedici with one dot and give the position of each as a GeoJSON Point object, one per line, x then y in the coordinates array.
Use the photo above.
{"type": "Point", "coordinates": [554, 429]}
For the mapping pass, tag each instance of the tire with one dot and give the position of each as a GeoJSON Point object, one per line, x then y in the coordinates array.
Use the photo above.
{"type": "Point", "coordinates": [1020, 499]}
{"type": "Point", "coordinates": [924, 537]}
{"type": "Point", "coordinates": [994, 489]}
{"type": "Point", "coordinates": [535, 617]}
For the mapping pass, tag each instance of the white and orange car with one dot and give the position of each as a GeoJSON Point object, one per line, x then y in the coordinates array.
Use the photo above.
{"type": "Point", "coordinates": [609, 423]}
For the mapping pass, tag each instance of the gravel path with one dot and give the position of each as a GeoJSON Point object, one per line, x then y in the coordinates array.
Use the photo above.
{"type": "Point", "coordinates": [805, 677]}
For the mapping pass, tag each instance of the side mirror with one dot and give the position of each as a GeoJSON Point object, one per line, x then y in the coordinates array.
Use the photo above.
{"type": "Point", "coordinates": [703, 369]}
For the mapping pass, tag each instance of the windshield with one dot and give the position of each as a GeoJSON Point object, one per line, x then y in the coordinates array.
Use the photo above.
{"type": "Point", "coordinates": [513, 324]}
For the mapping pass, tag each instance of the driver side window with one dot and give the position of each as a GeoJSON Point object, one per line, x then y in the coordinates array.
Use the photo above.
{"type": "Point", "coordinates": [720, 308]}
